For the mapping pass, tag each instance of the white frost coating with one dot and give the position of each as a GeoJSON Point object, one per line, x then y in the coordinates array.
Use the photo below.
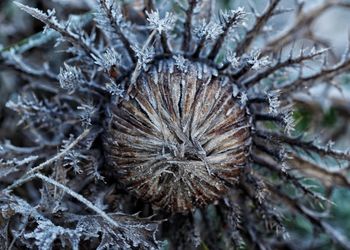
{"type": "Point", "coordinates": [257, 62]}
{"type": "Point", "coordinates": [108, 59]}
{"type": "Point", "coordinates": [70, 78]}
{"type": "Point", "coordinates": [274, 102]}
{"type": "Point", "coordinates": [161, 24]}
{"type": "Point", "coordinates": [209, 31]}
{"type": "Point", "coordinates": [181, 63]}
{"type": "Point", "coordinates": [233, 59]}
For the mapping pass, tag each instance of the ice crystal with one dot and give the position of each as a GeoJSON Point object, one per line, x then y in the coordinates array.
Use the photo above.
{"type": "Point", "coordinates": [181, 63]}
{"type": "Point", "coordinates": [108, 59]}
{"type": "Point", "coordinates": [209, 31]}
{"type": "Point", "coordinates": [70, 78]}
{"type": "Point", "coordinates": [258, 62]}
{"type": "Point", "coordinates": [161, 24]}
{"type": "Point", "coordinates": [144, 55]}
{"type": "Point", "coordinates": [233, 59]}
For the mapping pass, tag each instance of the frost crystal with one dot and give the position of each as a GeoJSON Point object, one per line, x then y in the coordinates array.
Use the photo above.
{"type": "Point", "coordinates": [256, 62]}
{"type": "Point", "coordinates": [115, 90]}
{"type": "Point", "coordinates": [161, 24]}
{"type": "Point", "coordinates": [144, 56]}
{"type": "Point", "coordinates": [108, 59]}
{"type": "Point", "coordinates": [181, 62]}
{"type": "Point", "coordinates": [86, 114]}
{"type": "Point", "coordinates": [244, 98]}
{"type": "Point", "coordinates": [274, 102]}
{"type": "Point", "coordinates": [209, 31]}
{"type": "Point", "coordinates": [233, 59]}
{"type": "Point", "coordinates": [238, 15]}
{"type": "Point", "coordinates": [288, 120]}
{"type": "Point", "coordinates": [70, 78]}
{"type": "Point", "coordinates": [72, 159]}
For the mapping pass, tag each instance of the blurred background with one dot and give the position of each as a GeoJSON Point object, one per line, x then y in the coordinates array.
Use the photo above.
{"type": "Point", "coordinates": [329, 107]}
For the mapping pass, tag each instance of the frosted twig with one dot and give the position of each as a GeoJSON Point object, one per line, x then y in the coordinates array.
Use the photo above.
{"type": "Point", "coordinates": [79, 197]}
{"type": "Point", "coordinates": [259, 24]}
{"type": "Point", "coordinates": [138, 66]}
{"type": "Point", "coordinates": [30, 173]}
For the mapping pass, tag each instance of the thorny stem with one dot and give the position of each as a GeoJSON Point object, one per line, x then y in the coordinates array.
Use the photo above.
{"type": "Point", "coordinates": [328, 177]}
{"type": "Point", "coordinates": [29, 175]}
{"type": "Point", "coordinates": [164, 42]}
{"type": "Point", "coordinates": [218, 44]}
{"type": "Point", "coordinates": [273, 166]}
{"type": "Point", "coordinates": [324, 74]}
{"type": "Point", "coordinates": [199, 48]}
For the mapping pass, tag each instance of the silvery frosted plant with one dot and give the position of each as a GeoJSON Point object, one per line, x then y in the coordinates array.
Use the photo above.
{"type": "Point", "coordinates": [169, 125]}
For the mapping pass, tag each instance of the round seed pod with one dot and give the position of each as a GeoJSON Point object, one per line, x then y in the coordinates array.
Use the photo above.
{"type": "Point", "coordinates": [180, 139]}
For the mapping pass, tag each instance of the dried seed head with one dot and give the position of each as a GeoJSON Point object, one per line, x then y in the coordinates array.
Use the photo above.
{"type": "Point", "coordinates": [180, 140]}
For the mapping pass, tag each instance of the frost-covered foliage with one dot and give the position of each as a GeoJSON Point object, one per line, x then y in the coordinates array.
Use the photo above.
{"type": "Point", "coordinates": [58, 192]}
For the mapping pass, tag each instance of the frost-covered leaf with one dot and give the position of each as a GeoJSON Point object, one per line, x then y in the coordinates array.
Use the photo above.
{"type": "Point", "coordinates": [48, 18]}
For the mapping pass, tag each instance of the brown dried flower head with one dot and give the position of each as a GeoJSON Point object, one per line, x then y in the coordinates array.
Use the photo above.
{"type": "Point", "coordinates": [181, 139]}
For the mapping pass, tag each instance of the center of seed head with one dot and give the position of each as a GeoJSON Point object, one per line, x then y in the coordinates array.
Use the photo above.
{"type": "Point", "coordinates": [184, 150]}
{"type": "Point", "coordinates": [180, 138]}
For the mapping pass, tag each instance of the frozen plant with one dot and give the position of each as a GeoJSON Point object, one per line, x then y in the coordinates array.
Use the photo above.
{"type": "Point", "coordinates": [165, 127]}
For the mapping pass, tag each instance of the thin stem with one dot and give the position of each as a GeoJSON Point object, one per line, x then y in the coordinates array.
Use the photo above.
{"type": "Point", "coordinates": [258, 26]}
{"type": "Point", "coordinates": [29, 175]}
{"type": "Point", "coordinates": [296, 142]}
{"type": "Point", "coordinates": [253, 80]}
{"type": "Point", "coordinates": [188, 25]}
{"type": "Point", "coordinates": [119, 32]}
{"type": "Point", "coordinates": [137, 70]}
{"type": "Point", "coordinates": [80, 198]}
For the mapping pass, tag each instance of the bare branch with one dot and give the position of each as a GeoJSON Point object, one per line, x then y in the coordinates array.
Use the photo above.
{"type": "Point", "coordinates": [297, 142]}
{"type": "Point", "coordinates": [312, 216]}
{"type": "Point", "coordinates": [328, 177]}
{"type": "Point", "coordinates": [303, 20]}
{"type": "Point", "coordinates": [326, 74]}
{"type": "Point", "coordinates": [114, 23]}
